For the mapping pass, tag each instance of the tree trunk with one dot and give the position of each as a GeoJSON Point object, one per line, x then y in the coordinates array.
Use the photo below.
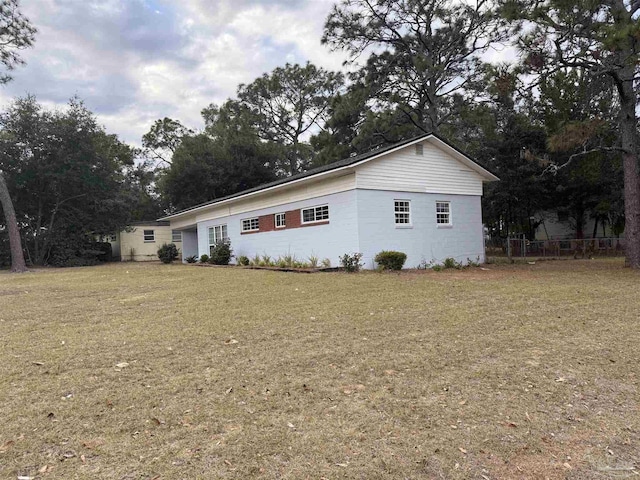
{"type": "Point", "coordinates": [17, 255]}
{"type": "Point", "coordinates": [629, 140]}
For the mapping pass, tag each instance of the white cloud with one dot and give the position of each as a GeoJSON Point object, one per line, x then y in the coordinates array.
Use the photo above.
{"type": "Point", "coordinates": [134, 61]}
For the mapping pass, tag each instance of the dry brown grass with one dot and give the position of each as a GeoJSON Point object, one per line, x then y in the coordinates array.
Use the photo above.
{"type": "Point", "coordinates": [513, 372]}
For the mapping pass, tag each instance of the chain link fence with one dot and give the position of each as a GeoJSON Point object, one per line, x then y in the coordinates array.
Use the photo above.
{"type": "Point", "coordinates": [520, 247]}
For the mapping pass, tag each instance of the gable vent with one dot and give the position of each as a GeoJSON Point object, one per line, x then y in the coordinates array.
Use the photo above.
{"type": "Point", "coordinates": [419, 149]}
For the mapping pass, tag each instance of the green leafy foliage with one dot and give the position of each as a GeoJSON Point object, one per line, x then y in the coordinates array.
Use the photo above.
{"type": "Point", "coordinates": [351, 262]}
{"type": "Point", "coordinates": [221, 253]}
{"type": "Point", "coordinates": [243, 260]}
{"type": "Point", "coordinates": [204, 258]}
{"type": "Point", "coordinates": [67, 176]}
{"type": "Point", "coordinates": [227, 158]}
{"type": "Point", "coordinates": [450, 262]}
{"type": "Point", "coordinates": [167, 253]}
{"type": "Point", "coordinates": [286, 104]}
{"type": "Point", "coordinates": [191, 259]}
{"type": "Point", "coordinates": [391, 260]}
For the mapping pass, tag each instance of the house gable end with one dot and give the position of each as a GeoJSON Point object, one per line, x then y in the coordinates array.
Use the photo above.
{"type": "Point", "coordinates": [429, 166]}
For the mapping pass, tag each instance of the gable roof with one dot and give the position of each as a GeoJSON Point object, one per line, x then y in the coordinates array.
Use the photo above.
{"type": "Point", "coordinates": [345, 163]}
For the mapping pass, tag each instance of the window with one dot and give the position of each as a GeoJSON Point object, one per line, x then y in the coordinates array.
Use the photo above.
{"type": "Point", "coordinates": [403, 212]}
{"type": "Point", "coordinates": [280, 220]}
{"type": "Point", "coordinates": [251, 224]}
{"type": "Point", "coordinates": [419, 149]}
{"type": "Point", "coordinates": [149, 236]}
{"type": "Point", "coordinates": [217, 234]}
{"type": "Point", "coordinates": [315, 214]}
{"type": "Point", "coordinates": [443, 213]}
{"type": "Point", "coordinates": [176, 236]}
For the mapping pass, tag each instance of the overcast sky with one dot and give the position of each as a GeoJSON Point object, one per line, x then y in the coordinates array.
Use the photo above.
{"type": "Point", "coordinates": [134, 61]}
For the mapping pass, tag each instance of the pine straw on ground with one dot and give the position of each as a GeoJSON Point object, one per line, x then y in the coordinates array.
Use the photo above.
{"type": "Point", "coordinates": [150, 371]}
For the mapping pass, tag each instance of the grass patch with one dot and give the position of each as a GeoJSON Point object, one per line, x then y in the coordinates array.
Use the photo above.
{"type": "Point", "coordinates": [149, 371]}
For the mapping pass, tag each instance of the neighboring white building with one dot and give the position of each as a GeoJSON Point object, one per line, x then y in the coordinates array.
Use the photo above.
{"type": "Point", "coordinates": [141, 240]}
{"type": "Point", "coordinates": [421, 197]}
{"type": "Point", "coordinates": [557, 225]}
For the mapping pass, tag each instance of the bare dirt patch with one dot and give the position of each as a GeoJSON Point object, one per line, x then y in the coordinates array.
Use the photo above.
{"type": "Point", "coordinates": [153, 371]}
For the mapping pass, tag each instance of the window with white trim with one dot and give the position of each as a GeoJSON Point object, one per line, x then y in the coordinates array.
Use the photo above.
{"type": "Point", "coordinates": [280, 220]}
{"type": "Point", "coordinates": [402, 212]}
{"type": "Point", "coordinates": [176, 236]}
{"type": "Point", "coordinates": [315, 214]}
{"type": "Point", "coordinates": [217, 234]}
{"type": "Point", "coordinates": [251, 224]}
{"type": "Point", "coordinates": [443, 213]}
{"type": "Point", "coordinates": [149, 236]}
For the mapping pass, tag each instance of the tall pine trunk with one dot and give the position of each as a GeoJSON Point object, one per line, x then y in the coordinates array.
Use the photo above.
{"type": "Point", "coordinates": [627, 56]}
{"type": "Point", "coordinates": [629, 140]}
{"type": "Point", "coordinates": [17, 255]}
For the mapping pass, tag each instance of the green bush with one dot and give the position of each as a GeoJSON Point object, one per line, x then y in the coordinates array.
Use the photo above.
{"type": "Point", "coordinates": [326, 263]}
{"type": "Point", "coordinates": [391, 260]}
{"type": "Point", "coordinates": [351, 263]}
{"type": "Point", "coordinates": [191, 259]}
{"type": "Point", "coordinates": [204, 258]}
{"type": "Point", "coordinates": [243, 260]}
{"type": "Point", "coordinates": [451, 263]}
{"type": "Point", "coordinates": [221, 253]}
{"type": "Point", "coordinates": [167, 253]}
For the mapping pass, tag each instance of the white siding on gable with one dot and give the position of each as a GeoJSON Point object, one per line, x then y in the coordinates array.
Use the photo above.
{"type": "Point", "coordinates": [434, 171]}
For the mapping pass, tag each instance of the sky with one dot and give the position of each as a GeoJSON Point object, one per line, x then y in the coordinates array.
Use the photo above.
{"type": "Point", "coordinates": [135, 61]}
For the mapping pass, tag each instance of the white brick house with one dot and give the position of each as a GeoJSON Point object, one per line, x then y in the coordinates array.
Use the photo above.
{"type": "Point", "coordinates": [421, 196]}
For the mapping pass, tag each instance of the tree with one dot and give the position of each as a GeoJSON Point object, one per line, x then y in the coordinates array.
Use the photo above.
{"type": "Point", "coordinates": [423, 57]}
{"type": "Point", "coordinates": [163, 138]}
{"type": "Point", "coordinates": [67, 177]}
{"type": "Point", "coordinates": [17, 256]}
{"type": "Point", "coordinates": [578, 110]}
{"type": "Point", "coordinates": [226, 158]}
{"type": "Point", "coordinates": [602, 38]}
{"type": "Point", "coordinates": [287, 104]}
{"type": "Point", "coordinates": [16, 33]}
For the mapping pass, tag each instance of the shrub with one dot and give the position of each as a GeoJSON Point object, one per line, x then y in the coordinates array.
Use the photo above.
{"type": "Point", "coordinates": [77, 252]}
{"type": "Point", "coordinates": [192, 259]}
{"type": "Point", "coordinates": [391, 260]}
{"type": "Point", "coordinates": [243, 260]}
{"type": "Point", "coordinates": [351, 263]}
{"type": "Point", "coordinates": [451, 263]}
{"type": "Point", "coordinates": [255, 261]}
{"type": "Point", "coordinates": [423, 265]}
{"type": "Point", "coordinates": [471, 263]}
{"type": "Point", "coordinates": [221, 253]}
{"type": "Point", "coordinates": [204, 258]}
{"type": "Point", "coordinates": [289, 260]}
{"type": "Point", "coordinates": [167, 253]}
{"type": "Point", "coordinates": [314, 261]}
{"type": "Point", "coordinates": [326, 263]}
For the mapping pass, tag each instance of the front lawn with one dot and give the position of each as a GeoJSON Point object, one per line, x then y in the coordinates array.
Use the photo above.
{"type": "Point", "coordinates": [150, 371]}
